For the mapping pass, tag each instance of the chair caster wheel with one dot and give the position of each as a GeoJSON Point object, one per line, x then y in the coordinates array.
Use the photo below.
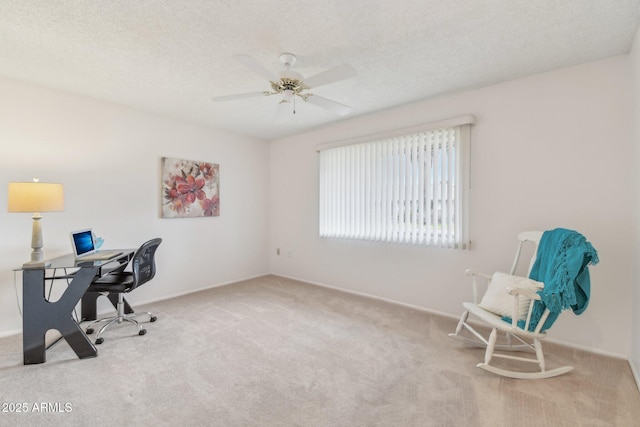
{"type": "Point", "coordinates": [142, 332]}
{"type": "Point", "coordinates": [99, 341]}
{"type": "Point", "coordinates": [153, 319]}
{"type": "Point", "coordinates": [89, 331]}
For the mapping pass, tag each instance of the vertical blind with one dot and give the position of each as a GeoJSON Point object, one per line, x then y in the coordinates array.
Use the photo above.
{"type": "Point", "coordinates": [409, 189]}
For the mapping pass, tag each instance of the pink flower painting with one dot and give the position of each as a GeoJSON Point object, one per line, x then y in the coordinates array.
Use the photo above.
{"type": "Point", "coordinates": [190, 188]}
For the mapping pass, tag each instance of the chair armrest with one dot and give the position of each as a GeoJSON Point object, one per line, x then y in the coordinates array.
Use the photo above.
{"type": "Point", "coordinates": [517, 293]}
{"type": "Point", "coordinates": [524, 292]}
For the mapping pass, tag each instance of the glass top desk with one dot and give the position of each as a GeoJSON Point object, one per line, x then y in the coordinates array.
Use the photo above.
{"type": "Point", "coordinates": [40, 315]}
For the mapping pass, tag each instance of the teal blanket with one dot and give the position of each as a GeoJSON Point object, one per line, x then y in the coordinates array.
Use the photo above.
{"type": "Point", "coordinates": [562, 265]}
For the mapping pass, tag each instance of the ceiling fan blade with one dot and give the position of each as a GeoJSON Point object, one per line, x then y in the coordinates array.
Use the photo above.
{"type": "Point", "coordinates": [255, 66]}
{"type": "Point", "coordinates": [341, 72]}
{"type": "Point", "coordinates": [238, 96]}
{"type": "Point", "coordinates": [327, 104]}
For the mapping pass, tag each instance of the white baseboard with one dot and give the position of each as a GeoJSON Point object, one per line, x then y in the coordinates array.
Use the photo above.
{"type": "Point", "coordinates": [193, 291]}
{"type": "Point", "coordinates": [10, 333]}
{"type": "Point", "coordinates": [440, 313]}
{"type": "Point", "coordinates": [589, 349]}
{"type": "Point", "coordinates": [636, 374]}
{"type": "Point", "coordinates": [363, 294]}
{"type": "Point", "coordinates": [152, 300]}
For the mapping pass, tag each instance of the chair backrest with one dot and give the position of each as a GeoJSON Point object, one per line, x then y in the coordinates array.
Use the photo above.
{"type": "Point", "coordinates": [143, 264]}
{"type": "Point", "coordinates": [527, 236]}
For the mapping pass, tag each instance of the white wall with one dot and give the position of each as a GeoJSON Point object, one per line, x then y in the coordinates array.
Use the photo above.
{"type": "Point", "coordinates": [551, 150]}
{"type": "Point", "coordinates": [108, 158]}
{"type": "Point", "coordinates": [635, 331]}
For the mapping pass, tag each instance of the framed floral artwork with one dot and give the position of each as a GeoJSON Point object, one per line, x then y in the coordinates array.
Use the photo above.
{"type": "Point", "coordinates": [190, 188]}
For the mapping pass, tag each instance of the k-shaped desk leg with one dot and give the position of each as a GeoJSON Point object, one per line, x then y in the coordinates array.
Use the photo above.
{"type": "Point", "coordinates": [40, 315]}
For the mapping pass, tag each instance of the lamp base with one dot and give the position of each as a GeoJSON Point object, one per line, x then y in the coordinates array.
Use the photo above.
{"type": "Point", "coordinates": [36, 264]}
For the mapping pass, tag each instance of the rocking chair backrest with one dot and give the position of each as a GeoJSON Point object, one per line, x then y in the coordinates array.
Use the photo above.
{"type": "Point", "coordinates": [526, 236]}
{"type": "Point", "coordinates": [532, 237]}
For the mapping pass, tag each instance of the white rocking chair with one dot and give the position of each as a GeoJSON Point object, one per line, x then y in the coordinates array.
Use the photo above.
{"type": "Point", "coordinates": [522, 299]}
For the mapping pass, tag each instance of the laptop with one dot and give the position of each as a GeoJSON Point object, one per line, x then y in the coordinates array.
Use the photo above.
{"type": "Point", "coordinates": [84, 247]}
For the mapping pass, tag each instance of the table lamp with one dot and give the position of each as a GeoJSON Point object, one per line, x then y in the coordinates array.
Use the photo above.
{"type": "Point", "coordinates": [35, 197]}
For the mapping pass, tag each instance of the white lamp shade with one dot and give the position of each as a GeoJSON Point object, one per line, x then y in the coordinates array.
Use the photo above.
{"type": "Point", "coordinates": [35, 197]}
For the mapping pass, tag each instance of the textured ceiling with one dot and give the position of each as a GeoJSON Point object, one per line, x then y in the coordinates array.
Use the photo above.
{"type": "Point", "coordinates": [172, 56]}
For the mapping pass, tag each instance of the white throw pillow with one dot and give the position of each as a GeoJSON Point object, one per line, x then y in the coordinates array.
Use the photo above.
{"type": "Point", "coordinates": [497, 299]}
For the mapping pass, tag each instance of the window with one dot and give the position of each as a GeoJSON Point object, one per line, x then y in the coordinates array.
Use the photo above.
{"type": "Point", "coordinates": [409, 188]}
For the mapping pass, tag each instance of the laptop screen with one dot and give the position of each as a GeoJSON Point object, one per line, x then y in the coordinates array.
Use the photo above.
{"type": "Point", "coordinates": [82, 242]}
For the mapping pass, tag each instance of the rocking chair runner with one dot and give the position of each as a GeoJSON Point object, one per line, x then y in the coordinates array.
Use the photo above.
{"type": "Point", "coordinates": [520, 307]}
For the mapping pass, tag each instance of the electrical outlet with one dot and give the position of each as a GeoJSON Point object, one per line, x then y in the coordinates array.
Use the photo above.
{"type": "Point", "coordinates": [277, 251]}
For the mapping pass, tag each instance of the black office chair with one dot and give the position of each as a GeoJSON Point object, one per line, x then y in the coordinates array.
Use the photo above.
{"type": "Point", "coordinates": [143, 268]}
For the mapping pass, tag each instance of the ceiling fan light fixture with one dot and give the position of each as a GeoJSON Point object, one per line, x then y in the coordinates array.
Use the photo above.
{"type": "Point", "coordinates": [288, 95]}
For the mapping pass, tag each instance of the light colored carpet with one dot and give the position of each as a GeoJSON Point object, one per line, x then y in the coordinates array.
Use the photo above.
{"type": "Point", "coordinates": [277, 352]}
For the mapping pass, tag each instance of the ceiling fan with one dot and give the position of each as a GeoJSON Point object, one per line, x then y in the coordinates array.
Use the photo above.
{"type": "Point", "coordinates": [291, 84]}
